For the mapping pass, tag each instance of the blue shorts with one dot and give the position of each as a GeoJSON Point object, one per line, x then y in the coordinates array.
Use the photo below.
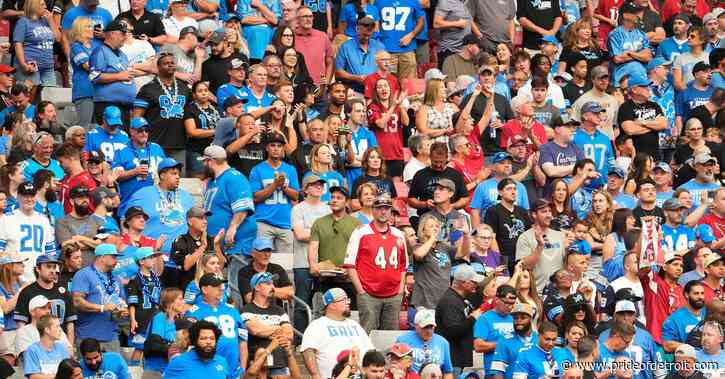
{"type": "Point", "coordinates": [43, 78]}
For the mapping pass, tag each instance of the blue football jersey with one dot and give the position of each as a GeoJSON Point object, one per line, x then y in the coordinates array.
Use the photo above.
{"type": "Point", "coordinates": [275, 210]}
{"type": "Point", "coordinates": [398, 18]}
{"type": "Point", "coordinates": [99, 140]}
{"type": "Point", "coordinates": [226, 195]}
{"type": "Point", "coordinates": [227, 318]}
{"type": "Point", "coordinates": [128, 159]}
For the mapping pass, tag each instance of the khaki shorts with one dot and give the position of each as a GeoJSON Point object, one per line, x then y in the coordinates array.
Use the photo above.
{"type": "Point", "coordinates": [405, 63]}
{"type": "Point", "coordinates": [7, 343]}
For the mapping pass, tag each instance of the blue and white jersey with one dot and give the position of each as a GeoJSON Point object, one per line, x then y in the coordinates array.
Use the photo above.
{"type": "Point", "coordinates": [712, 366]}
{"type": "Point", "coordinates": [104, 60]}
{"type": "Point", "coordinates": [643, 351]}
{"type": "Point", "coordinates": [581, 202]}
{"type": "Point", "coordinates": [30, 236]}
{"type": "Point", "coordinates": [227, 90]}
{"type": "Point", "coordinates": [362, 139]}
{"type": "Point", "coordinates": [697, 190]}
{"type": "Point", "coordinates": [82, 87]}
{"type": "Point", "coordinates": [113, 366]}
{"type": "Point", "coordinates": [692, 98]}
{"type": "Point", "coordinates": [162, 327]}
{"type": "Point", "coordinates": [255, 102]}
{"type": "Point", "coordinates": [493, 327]}
{"type": "Point", "coordinates": [128, 159]}
{"type": "Point", "coordinates": [662, 197]}
{"type": "Point", "coordinates": [166, 211]}
{"type": "Point", "coordinates": [398, 18]}
{"type": "Point", "coordinates": [332, 179]}
{"type": "Point", "coordinates": [679, 324]}
{"type": "Point", "coordinates": [349, 12]}
{"type": "Point", "coordinates": [276, 210]}
{"type": "Point", "coordinates": [670, 48]}
{"type": "Point", "coordinates": [607, 357]}
{"type": "Point", "coordinates": [99, 139]}
{"type": "Point", "coordinates": [621, 41]}
{"type": "Point", "coordinates": [664, 96]}
{"type": "Point", "coordinates": [506, 353]}
{"type": "Point", "coordinates": [37, 360]}
{"type": "Point", "coordinates": [226, 195]}
{"type": "Point", "coordinates": [532, 364]}
{"type": "Point", "coordinates": [98, 288]}
{"type": "Point", "coordinates": [192, 292]}
{"type": "Point", "coordinates": [126, 266]}
{"type": "Point", "coordinates": [31, 166]}
{"type": "Point", "coordinates": [597, 147]}
{"type": "Point", "coordinates": [181, 366]}
{"type": "Point", "coordinates": [486, 195]}
{"type": "Point", "coordinates": [231, 325]}
{"type": "Point", "coordinates": [624, 200]}
{"type": "Point", "coordinates": [681, 238]}
{"type": "Point", "coordinates": [437, 351]}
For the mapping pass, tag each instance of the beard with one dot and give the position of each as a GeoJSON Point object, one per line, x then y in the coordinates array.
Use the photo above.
{"type": "Point", "coordinates": [523, 329]}
{"type": "Point", "coordinates": [51, 196]}
{"type": "Point", "coordinates": [205, 353]}
{"type": "Point", "coordinates": [83, 210]}
{"type": "Point", "coordinates": [208, 172]}
{"type": "Point", "coordinates": [697, 304]}
{"type": "Point", "coordinates": [347, 313]}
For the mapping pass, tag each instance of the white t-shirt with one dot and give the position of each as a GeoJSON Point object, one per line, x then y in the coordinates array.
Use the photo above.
{"type": "Point", "coordinates": [116, 7]}
{"type": "Point", "coordinates": [173, 26]}
{"type": "Point", "coordinates": [329, 337]}
{"type": "Point", "coordinates": [29, 236]}
{"type": "Point", "coordinates": [305, 215]}
{"type": "Point", "coordinates": [636, 286]}
{"type": "Point", "coordinates": [139, 51]}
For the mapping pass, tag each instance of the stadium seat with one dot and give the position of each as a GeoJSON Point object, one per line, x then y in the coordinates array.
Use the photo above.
{"type": "Point", "coordinates": [383, 339]}
{"type": "Point", "coordinates": [195, 187]}
{"type": "Point", "coordinates": [61, 97]}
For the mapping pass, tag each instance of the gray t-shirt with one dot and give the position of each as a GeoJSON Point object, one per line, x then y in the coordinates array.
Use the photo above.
{"type": "Point", "coordinates": [305, 214]}
{"type": "Point", "coordinates": [552, 258]}
{"type": "Point", "coordinates": [70, 226]}
{"type": "Point", "coordinates": [184, 63]}
{"type": "Point", "coordinates": [685, 62]}
{"type": "Point", "coordinates": [493, 17]}
{"type": "Point", "coordinates": [432, 275]}
{"type": "Point", "coordinates": [453, 10]}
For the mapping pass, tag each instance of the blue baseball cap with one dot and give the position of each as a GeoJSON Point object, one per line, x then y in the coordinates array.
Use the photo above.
{"type": "Point", "coordinates": [112, 116]}
{"type": "Point", "coordinates": [548, 39]}
{"type": "Point", "coordinates": [332, 295]}
{"type": "Point", "coordinates": [145, 252]}
{"type": "Point", "coordinates": [704, 232]}
{"type": "Point", "coordinates": [168, 163]}
{"type": "Point", "coordinates": [106, 249]}
{"type": "Point", "coordinates": [617, 171]}
{"type": "Point", "coordinates": [45, 258]}
{"type": "Point", "coordinates": [261, 277]}
{"type": "Point", "coordinates": [230, 16]}
{"type": "Point", "coordinates": [138, 123]}
{"type": "Point", "coordinates": [657, 61]}
{"type": "Point", "coordinates": [262, 244]}
{"type": "Point", "coordinates": [638, 81]}
{"type": "Point", "coordinates": [501, 156]}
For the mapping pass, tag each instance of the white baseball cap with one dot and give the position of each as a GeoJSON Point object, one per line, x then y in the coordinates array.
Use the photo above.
{"type": "Point", "coordinates": [38, 302]}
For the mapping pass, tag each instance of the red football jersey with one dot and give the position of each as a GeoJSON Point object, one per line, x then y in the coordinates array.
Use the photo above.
{"type": "Point", "coordinates": [660, 300]}
{"type": "Point", "coordinates": [82, 179]}
{"type": "Point", "coordinates": [513, 128]}
{"type": "Point", "coordinates": [717, 224]}
{"type": "Point", "coordinates": [610, 10]}
{"type": "Point", "coordinates": [713, 293]}
{"type": "Point", "coordinates": [379, 258]}
{"type": "Point", "coordinates": [373, 78]}
{"type": "Point", "coordinates": [390, 138]}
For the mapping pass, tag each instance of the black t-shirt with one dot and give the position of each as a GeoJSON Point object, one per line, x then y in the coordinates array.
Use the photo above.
{"type": "Point", "coordinates": [149, 23]}
{"type": "Point", "coordinates": [385, 185]}
{"type": "Point", "coordinates": [424, 184]}
{"type": "Point", "coordinates": [507, 226]}
{"type": "Point", "coordinates": [184, 245]}
{"type": "Point", "coordinates": [247, 157]}
{"type": "Point", "coordinates": [647, 111]}
{"type": "Point", "coordinates": [214, 70]}
{"type": "Point", "coordinates": [246, 273]}
{"type": "Point", "coordinates": [706, 119]}
{"type": "Point", "coordinates": [649, 21]}
{"type": "Point", "coordinates": [573, 91]}
{"type": "Point", "coordinates": [455, 325]}
{"type": "Point", "coordinates": [490, 138]}
{"type": "Point", "coordinates": [165, 112]}
{"type": "Point", "coordinates": [204, 119]}
{"type": "Point", "coordinates": [541, 13]}
{"type": "Point", "coordinates": [271, 316]}
{"type": "Point", "coordinates": [143, 295]}
{"type": "Point", "coordinates": [594, 56]}
{"type": "Point", "coordinates": [61, 304]}
{"type": "Point", "coordinates": [657, 212]}
{"type": "Point", "coordinates": [685, 152]}
{"type": "Point", "coordinates": [300, 158]}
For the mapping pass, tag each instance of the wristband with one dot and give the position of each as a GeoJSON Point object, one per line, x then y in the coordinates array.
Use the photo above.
{"type": "Point", "coordinates": [102, 305]}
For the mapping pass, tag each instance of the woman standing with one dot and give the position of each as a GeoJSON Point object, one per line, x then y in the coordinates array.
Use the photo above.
{"type": "Point", "coordinates": [503, 56]}
{"type": "Point", "coordinates": [578, 39]}
{"type": "Point", "coordinates": [523, 281]}
{"type": "Point", "coordinates": [71, 260]}
{"type": "Point", "coordinates": [34, 35]}
{"type": "Point", "coordinates": [560, 206]}
{"type": "Point", "coordinates": [435, 118]}
{"type": "Point", "coordinates": [177, 19]}
{"type": "Point", "coordinates": [81, 35]}
{"type": "Point", "coordinates": [322, 166]}
{"type": "Point", "coordinates": [365, 195]}
{"type": "Point", "coordinates": [11, 176]}
{"type": "Point", "coordinates": [600, 219]}
{"type": "Point", "coordinates": [432, 269]}
{"type": "Point", "coordinates": [483, 252]}
{"type": "Point", "coordinates": [640, 169]}
{"type": "Point", "coordinates": [387, 118]}
{"type": "Point", "coordinates": [162, 332]}
{"type": "Point", "coordinates": [374, 171]}
{"type": "Point", "coordinates": [12, 267]}
{"type": "Point", "coordinates": [614, 248]}
{"type": "Point", "coordinates": [200, 119]}
{"type": "Point", "coordinates": [293, 69]}
{"type": "Point", "coordinates": [280, 121]}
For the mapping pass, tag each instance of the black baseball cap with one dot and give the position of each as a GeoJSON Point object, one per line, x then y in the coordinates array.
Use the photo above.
{"type": "Point", "coordinates": [27, 188]}
{"type": "Point", "coordinates": [135, 211]}
{"type": "Point", "coordinates": [626, 294]}
{"type": "Point", "coordinates": [207, 280]}
{"type": "Point", "coordinates": [700, 66]}
{"type": "Point", "coordinates": [340, 190]}
{"type": "Point", "coordinates": [79, 191]}
{"type": "Point", "coordinates": [117, 26]}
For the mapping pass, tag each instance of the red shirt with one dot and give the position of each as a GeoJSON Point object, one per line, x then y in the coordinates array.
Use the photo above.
{"type": "Point", "coordinates": [610, 10]}
{"type": "Point", "coordinates": [713, 293]}
{"type": "Point", "coordinates": [390, 138]}
{"type": "Point", "coordinates": [660, 300]}
{"type": "Point", "coordinates": [315, 47]}
{"type": "Point", "coordinates": [474, 160]}
{"type": "Point", "coordinates": [82, 179]}
{"type": "Point", "coordinates": [513, 128]}
{"type": "Point", "coordinates": [142, 242]}
{"type": "Point", "coordinates": [379, 258]}
{"type": "Point", "coordinates": [373, 78]}
{"type": "Point", "coordinates": [716, 223]}
{"type": "Point", "coordinates": [672, 7]}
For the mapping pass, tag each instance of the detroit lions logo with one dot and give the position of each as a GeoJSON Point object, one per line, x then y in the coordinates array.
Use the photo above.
{"type": "Point", "coordinates": [515, 229]}
{"type": "Point", "coordinates": [171, 109]}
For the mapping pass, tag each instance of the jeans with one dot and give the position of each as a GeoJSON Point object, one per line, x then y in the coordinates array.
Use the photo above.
{"type": "Point", "coordinates": [282, 238]}
{"type": "Point", "coordinates": [84, 109]}
{"type": "Point", "coordinates": [379, 313]}
{"type": "Point", "coordinates": [304, 289]}
{"type": "Point", "coordinates": [234, 264]}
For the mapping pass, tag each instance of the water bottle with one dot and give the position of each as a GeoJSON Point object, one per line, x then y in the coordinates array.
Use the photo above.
{"type": "Point", "coordinates": [143, 162]}
{"type": "Point", "coordinates": [491, 129]}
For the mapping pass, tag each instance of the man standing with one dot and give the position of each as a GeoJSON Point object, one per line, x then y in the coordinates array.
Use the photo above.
{"type": "Point", "coordinates": [202, 360]}
{"type": "Point", "coordinates": [641, 118]}
{"type": "Point", "coordinates": [427, 345]}
{"type": "Point", "coordinates": [647, 196]}
{"type": "Point", "coordinates": [383, 67]}
{"type": "Point", "coordinates": [662, 294]}
{"type": "Point", "coordinates": [234, 86]}
{"type": "Point", "coordinates": [592, 142]}
{"type": "Point", "coordinates": [487, 192]}
{"type": "Point", "coordinates": [463, 62]}
{"type": "Point", "coordinates": [712, 357]}
{"type": "Point", "coordinates": [314, 45]}
{"type": "Point", "coordinates": [27, 232]}
{"type": "Point", "coordinates": [704, 181]}
{"type": "Point", "coordinates": [507, 350]}
{"type": "Point", "coordinates": [356, 57]}
{"type": "Point", "coordinates": [229, 199]}
{"type": "Point", "coordinates": [112, 80]}
{"type": "Point", "coordinates": [697, 92]}
{"type": "Point", "coordinates": [538, 19]}
{"type": "Point", "coordinates": [98, 296]}
{"type": "Point", "coordinates": [541, 248]}
{"type": "Point", "coordinates": [495, 22]}
{"type": "Point", "coordinates": [189, 54]}
{"type": "Point", "coordinates": [629, 46]}
{"type": "Point", "coordinates": [76, 176]}
{"type": "Point", "coordinates": [162, 103]}
{"type": "Point", "coordinates": [233, 339]}
{"type": "Point", "coordinates": [147, 25]}
{"type": "Point", "coordinates": [615, 188]}
{"type": "Point", "coordinates": [326, 337]}
{"type": "Point", "coordinates": [676, 236]}
{"type": "Point", "coordinates": [376, 262]}
{"type": "Point", "coordinates": [108, 137]}
{"type": "Point", "coordinates": [262, 250]}
{"type": "Point", "coordinates": [424, 182]}
{"type": "Point", "coordinates": [275, 187]}
{"type": "Point", "coordinates": [402, 21]}
{"type": "Point", "coordinates": [538, 361]}
{"type": "Point", "coordinates": [42, 358]}
{"type": "Point", "coordinates": [507, 220]}
{"type": "Point", "coordinates": [454, 21]}
{"type": "Point", "coordinates": [598, 93]}
{"type": "Point", "coordinates": [189, 247]}
{"type": "Point", "coordinates": [714, 273]}
{"type": "Point", "coordinates": [558, 157]}
{"type": "Point", "coordinates": [215, 70]}
{"type": "Point", "coordinates": [495, 325]}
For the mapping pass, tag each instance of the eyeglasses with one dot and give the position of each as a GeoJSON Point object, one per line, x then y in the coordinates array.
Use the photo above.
{"type": "Point", "coordinates": [142, 130]}
{"type": "Point", "coordinates": [287, 35]}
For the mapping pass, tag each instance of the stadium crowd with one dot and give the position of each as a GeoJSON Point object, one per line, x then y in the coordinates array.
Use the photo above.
{"type": "Point", "coordinates": [262, 188]}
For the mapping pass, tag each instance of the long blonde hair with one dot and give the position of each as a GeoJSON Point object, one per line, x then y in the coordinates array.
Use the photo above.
{"type": "Point", "coordinates": [433, 91]}
{"type": "Point", "coordinates": [31, 6]}
{"type": "Point", "coordinates": [201, 263]}
{"type": "Point", "coordinates": [570, 35]}
{"type": "Point", "coordinates": [315, 165]}
{"type": "Point", "coordinates": [76, 31]}
{"type": "Point", "coordinates": [8, 278]}
{"type": "Point", "coordinates": [602, 223]}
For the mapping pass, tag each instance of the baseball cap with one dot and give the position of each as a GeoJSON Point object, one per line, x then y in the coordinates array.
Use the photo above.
{"type": "Point", "coordinates": [366, 20]}
{"type": "Point", "coordinates": [565, 76]}
{"type": "Point", "coordinates": [617, 171]}
{"type": "Point", "coordinates": [471, 39]}
{"type": "Point", "coordinates": [101, 193]}
{"type": "Point", "coordinates": [213, 152]}
{"type": "Point", "coordinates": [540, 203]}
{"type": "Point", "coordinates": [700, 66]}
{"type": "Point", "coordinates": [262, 244]}
{"type": "Point", "coordinates": [657, 61]}
{"type": "Point", "coordinates": [712, 258]}
{"type": "Point", "coordinates": [212, 280]}
{"type": "Point", "coordinates": [275, 137]}
{"type": "Point", "coordinates": [197, 211]}
{"type": "Point", "coordinates": [708, 17]}
{"type": "Point", "coordinates": [501, 156]}
{"type": "Point", "coordinates": [145, 252]}
{"type": "Point", "coordinates": [332, 295]}
{"type": "Point", "coordinates": [517, 140]}
{"type": "Point", "coordinates": [671, 256]}
{"type": "Point", "coordinates": [189, 30]}
{"type": "Point", "coordinates": [112, 116]}
{"type": "Point", "coordinates": [625, 306]}
{"type": "Point", "coordinates": [523, 308]}
{"type": "Point", "coordinates": [626, 294]}
{"type": "Point", "coordinates": [106, 249]}
{"type": "Point", "coordinates": [45, 258]}
{"type": "Point", "coordinates": [101, 236]}
{"type": "Point", "coordinates": [27, 188]}
{"type": "Point", "coordinates": [663, 166]}
{"type": "Point", "coordinates": [217, 36]}
{"type": "Point", "coordinates": [425, 317]}
{"type": "Point", "coordinates": [79, 191]}
{"type": "Point", "coordinates": [5, 69]}
{"type": "Point", "coordinates": [685, 351]}
{"type": "Point", "coordinates": [96, 156]}
{"type": "Point", "coordinates": [339, 189]}
{"type": "Point", "coordinates": [599, 71]}
{"type": "Point", "coordinates": [138, 123]}
{"type": "Point", "coordinates": [232, 101]}
{"type": "Point", "coordinates": [230, 16]}
{"type": "Point", "coordinates": [434, 73]}
{"type": "Point", "coordinates": [259, 278]}
{"type": "Point", "coordinates": [704, 233]}
{"type": "Point", "coordinates": [168, 163]}
{"type": "Point", "coordinates": [400, 349]}
{"type": "Point", "coordinates": [12, 257]}
{"type": "Point", "coordinates": [38, 301]}
{"type": "Point", "coordinates": [592, 107]}
{"type": "Point", "coordinates": [548, 39]}
{"type": "Point", "coordinates": [638, 81]}
{"type": "Point", "coordinates": [311, 179]}
{"type": "Point", "coordinates": [465, 273]}
{"type": "Point", "coordinates": [673, 204]}
{"type": "Point", "coordinates": [703, 158]}
{"type": "Point", "coordinates": [383, 200]}
{"type": "Point", "coordinates": [133, 212]}
{"type": "Point", "coordinates": [485, 68]}
{"type": "Point", "coordinates": [116, 26]}
{"type": "Point", "coordinates": [447, 184]}
{"type": "Point", "coordinates": [236, 64]}
{"type": "Point", "coordinates": [682, 17]}
{"type": "Point", "coordinates": [628, 7]}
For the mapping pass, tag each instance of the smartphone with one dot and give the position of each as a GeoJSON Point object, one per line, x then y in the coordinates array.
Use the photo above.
{"type": "Point", "coordinates": [144, 162]}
